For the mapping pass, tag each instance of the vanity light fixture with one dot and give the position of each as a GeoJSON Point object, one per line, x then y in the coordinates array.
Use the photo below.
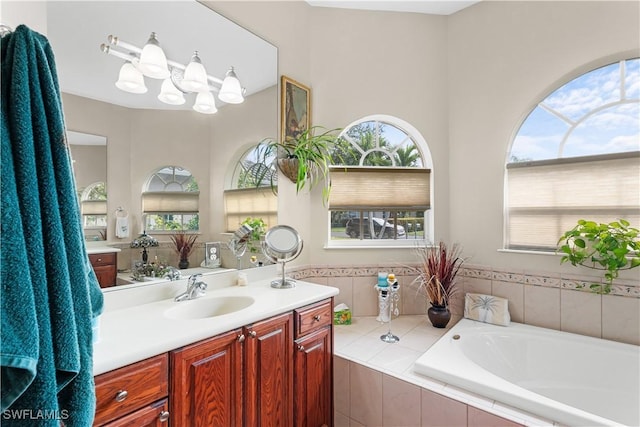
{"type": "Point", "coordinates": [178, 79]}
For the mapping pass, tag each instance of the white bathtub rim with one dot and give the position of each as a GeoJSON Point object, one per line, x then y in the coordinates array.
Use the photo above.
{"type": "Point", "coordinates": [469, 376]}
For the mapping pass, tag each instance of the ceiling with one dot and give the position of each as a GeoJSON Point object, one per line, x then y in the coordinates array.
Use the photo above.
{"type": "Point", "coordinates": [76, 29]}
{"type": "Point", "coordinates": [438, 7]}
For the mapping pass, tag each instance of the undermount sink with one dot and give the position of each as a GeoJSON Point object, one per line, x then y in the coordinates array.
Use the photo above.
{"type": "Point", "coordinates": [208, 307]}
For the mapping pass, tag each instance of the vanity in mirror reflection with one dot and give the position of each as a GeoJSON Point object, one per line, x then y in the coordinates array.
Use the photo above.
{"type": "Point", "coordinates": [145, 134]}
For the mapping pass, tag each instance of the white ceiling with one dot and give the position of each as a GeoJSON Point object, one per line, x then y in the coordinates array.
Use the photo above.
{"type": "Point", "coordinates": [437, 7]}
{"type": "Point", "coordinates": [76, 29]}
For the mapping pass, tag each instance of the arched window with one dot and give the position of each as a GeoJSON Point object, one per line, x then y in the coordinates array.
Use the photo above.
{"type": "Point", "coordinates": [380, 184]}
{"type": "Point", "coordinates": [170, 200]}
{"type": "Point", "coordinates": [251, 194]}
{"type": "Point", "coordinates": [93, 201]}
{"type": "Point", "coordinates": [576, 156]}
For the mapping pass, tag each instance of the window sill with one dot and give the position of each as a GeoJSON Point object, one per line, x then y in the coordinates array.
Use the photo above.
{"type": "Point", "coordinates": [529, 252]}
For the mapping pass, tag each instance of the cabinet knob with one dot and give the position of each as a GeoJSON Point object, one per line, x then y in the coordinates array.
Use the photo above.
{"type": "Point", "coordinates": [99, 259]}
{"type": "Point", "coordinates": [164, 416]}
{"type": "Point", "coordinates": [316, 318]}
{"type": "Point", "coordinates": [252, 334]}
{"type": "Point", "coordinates": [241, 338]}
{"type": "Point", "coordinates": [121, 395]}
{"type": "Point", "coordinates": [300, 347]}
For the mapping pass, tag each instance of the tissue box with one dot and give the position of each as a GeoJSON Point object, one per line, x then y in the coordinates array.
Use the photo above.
{"type": "Point", "coordinates": [341, 315]}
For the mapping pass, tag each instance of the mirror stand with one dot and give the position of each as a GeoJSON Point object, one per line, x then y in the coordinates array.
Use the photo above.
{"type": "Point", "coordinates": [282, 244]}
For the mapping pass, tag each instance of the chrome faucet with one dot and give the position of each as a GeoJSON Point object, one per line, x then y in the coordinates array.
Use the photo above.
{"type": "Point", "coordinates": [195, 288]}
{"type": "Point", "coordinates": [172, 274]}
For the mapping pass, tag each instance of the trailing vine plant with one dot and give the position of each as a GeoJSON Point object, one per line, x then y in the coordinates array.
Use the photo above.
{"type": "Point", "coordinates": [610, 247]}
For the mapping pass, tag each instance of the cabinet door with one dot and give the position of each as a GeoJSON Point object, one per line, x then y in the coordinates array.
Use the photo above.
{"type": "Point", "coordinates": [313, 375]}
{"type": "Point", "coordinates": [269, 372]}
{"type": "Point", "coordinates": [106, 276]}
{"type": "Point", "coordinates": [206, 382]}
{"type": "Point", "coordinates": [155, 415]}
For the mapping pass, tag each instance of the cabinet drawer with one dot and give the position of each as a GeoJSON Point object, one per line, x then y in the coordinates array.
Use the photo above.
{"type": "Point", "coordinates": [98, 260]}
{"type": "Point", "coordinates": [131, 387]}
{"type": "Point", "coordinates": [312, 317]}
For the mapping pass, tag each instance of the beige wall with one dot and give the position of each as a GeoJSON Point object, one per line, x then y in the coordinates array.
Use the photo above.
{"type": "Point", "coordinates": [464, 81]}
{"type": "Point", "coordinates": [503, 57]}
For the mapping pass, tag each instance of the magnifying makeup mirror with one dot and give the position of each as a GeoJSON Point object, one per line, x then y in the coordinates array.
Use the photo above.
{"type": "Point", "coordinates": [282, 244]}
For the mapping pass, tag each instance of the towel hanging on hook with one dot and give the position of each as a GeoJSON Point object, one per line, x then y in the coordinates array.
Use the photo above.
{"type": "Point", "coordinates": [122, 223]}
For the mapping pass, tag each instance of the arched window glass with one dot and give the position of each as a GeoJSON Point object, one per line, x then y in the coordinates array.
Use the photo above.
{"type": "Point", "coordinates": [170, 200]}
{"type": "Point", "coordinates": [576, 156]}
{"type": "Point", "coordinates": [252, 190]}
{"type": "Point", "coordinates": [380, 185]}
{"type": "Point", "coordinates": [93, 201]}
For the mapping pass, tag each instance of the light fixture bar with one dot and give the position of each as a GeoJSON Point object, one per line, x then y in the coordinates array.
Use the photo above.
{"type": "Point", "coordinates": [131, 53]}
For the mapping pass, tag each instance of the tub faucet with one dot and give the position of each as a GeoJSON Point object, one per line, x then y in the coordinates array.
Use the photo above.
{"type": "Point", "coordinates": [172, 274]}
{"type": "Point", "coordinates": [195, 288]}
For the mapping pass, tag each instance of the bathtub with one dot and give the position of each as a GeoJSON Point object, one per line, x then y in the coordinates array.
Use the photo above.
{"type": "Point", "coordinates": [570, 379]}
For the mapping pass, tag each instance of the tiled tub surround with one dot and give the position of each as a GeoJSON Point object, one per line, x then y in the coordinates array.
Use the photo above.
{"type": "Point", "coordinates": [548, 300]}
{"type": "Point", "coordinates": [374, 382]}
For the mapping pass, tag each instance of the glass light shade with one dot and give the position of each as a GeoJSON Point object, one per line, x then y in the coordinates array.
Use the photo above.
{"type": "Point", "coordinates": [195, 76]}
{"type": "Point", "coordinates": [130, 79]}
{"type": "Point", "coordinates": [205, 103]}
{"type": "Point", "coordinates": [231, 91]}
{"type": "Point", "coordinates": [153, 62]}
{"type": "Point", "coordinates": [169, 94]}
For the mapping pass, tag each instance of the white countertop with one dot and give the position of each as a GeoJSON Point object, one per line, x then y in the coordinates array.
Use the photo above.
{"type": "Point", "coordinates": [99, 248]}
{"type": "Point", "coordinates": [133, 333]}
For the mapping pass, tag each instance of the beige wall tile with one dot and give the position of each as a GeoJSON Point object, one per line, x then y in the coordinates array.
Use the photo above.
{"type": "Point", "coordinates": [365, 395]}
{"type": "Point", "coordinates": [478, 418]}
{"type": "Point", "coordinates": [354, 423]}
{"type": "Point", "coordinates": [476, 285]}
{"type": "Point", "coordinates": [345, 284]}
{"type": "Point", "coordinates": [412, 299]}
{"type": "Point", "coordinates": [318, 280]}
{"type": "Point", "coordinates": [621, 319]}
{"type": "Point", "coordinates": [581, 312]}
{"type": "Point", "coordinates": [514, 292]}
{"type": "Point", "coordinates": [365, 297]}
{"type": "Point", "coordinates": [542, 306]}
{"type": "Point", "coordinates": [340, 420]}
{"type": "Point", "coordinates": [341, 385]}
{"type": "Point", "coordinates": [401, 403]}
{"type": "Point", "coordinates": [440, 411]}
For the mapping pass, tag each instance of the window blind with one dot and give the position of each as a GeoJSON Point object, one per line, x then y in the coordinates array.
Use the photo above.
{"type": "Point", "coordinates": [250, 202]}
{"type": "Point", "coordinates": [170, 202]}
{"type": "Point", "coordinates": [378, 188]}
{"type": "Point", "coordinates": [94, 207]}
{"type": "Point", "coordinates": [547, 198]}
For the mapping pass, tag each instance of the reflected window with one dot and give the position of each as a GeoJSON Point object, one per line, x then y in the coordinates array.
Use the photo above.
{"type": "Point", "coordinates": [576, 156]}
{"type": "Point", "coordinates": [93, 201]}
{"type": "Point", "coordinates": [252, 192]}
{"type": "Point", "coordinates": [380, 184]}
{"type": "Point", "coordinates": [170, 200]}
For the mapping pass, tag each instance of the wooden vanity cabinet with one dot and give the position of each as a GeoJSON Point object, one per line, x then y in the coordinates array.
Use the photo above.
{"type": "Point", "coordinates": [313, 365]}
{"type": "Point", "coordinates": [206, 386]}
{"type": "Point", "coordinates": [134, 395]}
{"type": "Point", "coordinates": [105, 265]}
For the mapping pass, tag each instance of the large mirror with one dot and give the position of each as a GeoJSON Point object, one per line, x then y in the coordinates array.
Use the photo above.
{"type": "Point", "coordinates": [143, 133]}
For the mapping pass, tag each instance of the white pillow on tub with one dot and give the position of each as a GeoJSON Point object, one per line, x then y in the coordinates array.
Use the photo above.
{"type": "Point", "coordinates": [487, 308]}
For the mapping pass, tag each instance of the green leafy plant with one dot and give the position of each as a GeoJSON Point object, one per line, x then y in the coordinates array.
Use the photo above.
{"type": "Point", "coordinates": [305, 160]}
{"type": "Point", "coordinates": [439, 266]}
{"type": "Point", "coordinates": [610, 247]}
{"type": "Point", "coordinates": [258, 229]}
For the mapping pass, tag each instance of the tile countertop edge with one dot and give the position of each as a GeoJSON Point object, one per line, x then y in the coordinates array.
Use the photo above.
{"type": "Point", "coordinates": [136, 333]}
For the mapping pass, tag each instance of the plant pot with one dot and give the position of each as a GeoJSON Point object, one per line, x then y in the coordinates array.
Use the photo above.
{"type": "Point", "coordinates": [289, 167]}
{"type": "Point", "coordinates": [439, 315]}
{"type": "Point", "coordinates": [184, 263]}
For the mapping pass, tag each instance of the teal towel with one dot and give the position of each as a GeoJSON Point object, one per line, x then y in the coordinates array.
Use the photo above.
{"type": "Point", "coordinates": [49, 293]}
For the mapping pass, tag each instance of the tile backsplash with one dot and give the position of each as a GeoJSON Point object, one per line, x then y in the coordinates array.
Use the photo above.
{"type": "Point", "coordinates": [550, 300]}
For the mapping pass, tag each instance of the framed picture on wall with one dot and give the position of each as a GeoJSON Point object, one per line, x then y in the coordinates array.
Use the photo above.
{"type": "Point", "coordinates": [295, 101]}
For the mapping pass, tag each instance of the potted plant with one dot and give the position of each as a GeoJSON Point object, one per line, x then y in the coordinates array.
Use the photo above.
{"type": "Point", "coordinates": [183, 244]}
{"type": "Point", "coordinates": [437, 271]}
{"type": "Point", "coordinates": [305, 160]}
{"type": "Point", "coordinates": [610, 247]}
{"type": "Point", "coordinates": [258, 229]}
